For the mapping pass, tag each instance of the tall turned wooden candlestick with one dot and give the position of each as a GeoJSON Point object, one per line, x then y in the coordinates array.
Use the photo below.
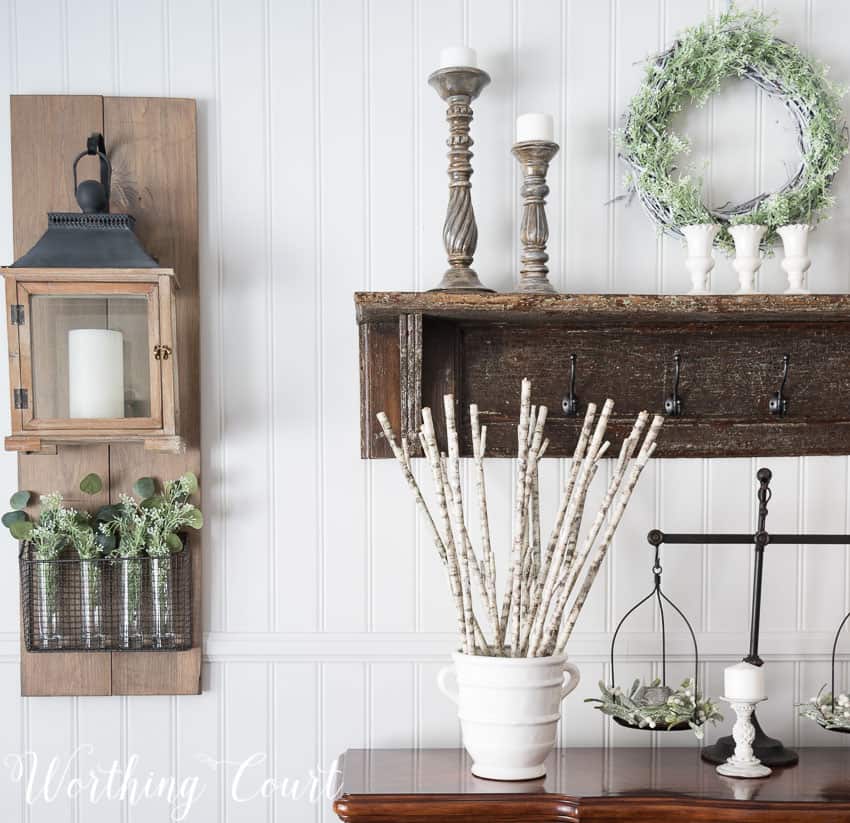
{"type": "Point", "coordinates": [534, 156]}
{"type": "Point", "coordinates": [459, 87]}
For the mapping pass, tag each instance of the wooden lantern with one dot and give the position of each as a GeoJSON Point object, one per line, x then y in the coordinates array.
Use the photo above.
{"type": "Point", "coordinates": [91, 320]}
{"type": "Point", "coordinates": [62, 387]}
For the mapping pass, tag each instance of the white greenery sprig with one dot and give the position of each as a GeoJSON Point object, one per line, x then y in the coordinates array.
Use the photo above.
{"type": "Point", "coordinates": [820, 708]}
{"type": "Point", "coordinates": [638, 706]}
{"type": "Point", "coordinates": [737, 44]}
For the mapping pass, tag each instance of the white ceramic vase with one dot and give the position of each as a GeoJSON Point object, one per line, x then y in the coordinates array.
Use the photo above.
{"type": "Point", "coordinates": [795, 242]}
{"type": "Point", "coordinates": [747, 261]}
{"type": "Point", "coordinates": [700, 262]}
{"type": "Point", "coordinates": [509, 709]}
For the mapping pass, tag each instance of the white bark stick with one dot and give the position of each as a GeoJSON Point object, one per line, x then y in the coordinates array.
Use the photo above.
{"type": "Point", "coordinates": [457, 510]}
{"type": "Point", "coordinates": [646, 453]}
{"type": "Point", "coordinates": [515, 581]}
{"type": "Point", "coordinates": [595, 450]}
{"type": "Point", "coordinates": [427, 438]}
{"type": "Point", "coordinates": [489, 566]}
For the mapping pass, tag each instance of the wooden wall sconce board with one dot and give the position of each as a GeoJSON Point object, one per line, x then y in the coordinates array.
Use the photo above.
{"type": "Point", "coordinates": [414, 347]}
{"type": "Point", "coordinates": [152, 146]}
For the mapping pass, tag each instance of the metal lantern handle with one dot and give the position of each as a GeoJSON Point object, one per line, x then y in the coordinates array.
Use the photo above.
{"type": "Point", "coordinates": [95, 145]}
{"type": "Point", "coordinates": [662, 598]}
{"type": "Point", "coordinates": [834, 650]}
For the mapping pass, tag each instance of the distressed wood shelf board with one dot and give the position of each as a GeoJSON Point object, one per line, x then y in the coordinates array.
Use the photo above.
{"type": "Point", "coordinates": [416, 347]}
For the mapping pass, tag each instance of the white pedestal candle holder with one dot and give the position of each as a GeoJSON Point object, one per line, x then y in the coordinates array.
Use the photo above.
{"type": "Point", "coordinates": [700, 262]}
{"type": "Point", "coordinates": [795, 242]}
{"type": "Point", "coordinates": [743, 763]}
{"type": "Point", "coordinates": [747, 260]}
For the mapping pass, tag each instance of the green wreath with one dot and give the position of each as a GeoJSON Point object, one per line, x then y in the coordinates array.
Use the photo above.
{"type": "Point", "coordinates": [735, 44]}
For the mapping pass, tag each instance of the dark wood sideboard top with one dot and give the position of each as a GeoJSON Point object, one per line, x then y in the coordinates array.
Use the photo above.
{"type": "Point", "coordinates": [634, 784]}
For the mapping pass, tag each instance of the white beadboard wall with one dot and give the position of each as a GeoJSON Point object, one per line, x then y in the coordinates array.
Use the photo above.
{"type": "Point", "coordinates": [322, 171]}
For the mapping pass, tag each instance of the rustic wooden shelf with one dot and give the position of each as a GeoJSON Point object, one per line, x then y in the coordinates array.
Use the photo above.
{"type": "Point", "coordinates": [414, 347]}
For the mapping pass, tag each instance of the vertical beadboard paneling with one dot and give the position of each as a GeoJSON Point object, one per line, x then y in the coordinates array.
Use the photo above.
{"type": "Point", "coordinates": [636, 34]}
{"type": "Point", "coordinates": [296, 744]}
{"type": "Point", "coordinates": [90, 49]}
{"type": "Point", "coordinates": [50, 733]}
{"type": "Point", "coordinates": [198, 744]}
{"type": "Point", "coordinates": [590, 176]}
{"type": "Point", "coordinates": [392, 708]}
{"type": "Point", "coordinates": [192, 70]}
{"type": "Point", "coordinates": [345, 709]}
{"type": "Point", "coordinates": [830, 27]}
{"type": "Point", "coordinates": [729, 498]}
{"type": "Point", "coordinates": [142, 47]}
{"type": "Point", "coordinates": [343, 250]}
{"type": "Point", "coordinates": [294, 204]}
{"type": "Point", "coordinates": [11, 742]}
{"type": "Point", "coordinates": [322, 170]}
{"type": "Point", "coordinates": [39, 45]}
{"type": "Point", "coordinates": [244, 297]}
{"type": "Point", "coordinates": [150, 729]}
{"type": "Point", "coordinates": [100, 738]}
{"type": "Point", "coordinates": [438, 725]}
{"type": "Point", "coordinates": [247, 736]}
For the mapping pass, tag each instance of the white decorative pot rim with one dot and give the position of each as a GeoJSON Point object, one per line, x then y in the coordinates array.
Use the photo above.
{"type": "Point", "coordinates": [805, 226]}
{"type": "Point", "coordinates": [509, 661]}
{"type": "Point", "coordinates": [749, 228]}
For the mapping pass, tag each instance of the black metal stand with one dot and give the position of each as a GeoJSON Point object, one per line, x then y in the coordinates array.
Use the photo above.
{"type": "Point", "coordinates": [770, 751]}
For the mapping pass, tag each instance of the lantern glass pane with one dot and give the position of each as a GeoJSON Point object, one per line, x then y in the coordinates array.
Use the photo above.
{"type": "Point", "coordinates": [90, 356]}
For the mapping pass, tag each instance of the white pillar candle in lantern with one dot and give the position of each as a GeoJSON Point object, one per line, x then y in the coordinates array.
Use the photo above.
{"type": "Point", "coordinates": [535, 126]}
{"type": "Point", "coordinates": [744, 682]}
{"type": "Point", "coordinates": [95, 373]}
{"type": "Point", "coordinates": [458, 57]}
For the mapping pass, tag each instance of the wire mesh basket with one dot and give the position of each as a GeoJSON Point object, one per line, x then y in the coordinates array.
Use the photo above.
{"type": "Point", "coordinates": [106, 604]}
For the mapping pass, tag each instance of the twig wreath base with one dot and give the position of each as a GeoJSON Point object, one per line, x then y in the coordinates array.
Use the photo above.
{"type": "Point", "coordinates": [736, 44]}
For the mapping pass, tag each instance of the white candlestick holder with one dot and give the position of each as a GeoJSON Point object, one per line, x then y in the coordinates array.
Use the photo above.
{"type": "Point", "coordinates": [743, 763]}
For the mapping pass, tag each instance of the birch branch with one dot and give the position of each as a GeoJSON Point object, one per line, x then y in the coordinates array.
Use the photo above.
{"type": "Point", "coordinates": [646, 453]}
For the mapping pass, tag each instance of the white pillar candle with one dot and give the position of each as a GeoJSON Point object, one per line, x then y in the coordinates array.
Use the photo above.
{"type": "Point", "coordinates": [95, 373]}
{"type": "Point", "coordinates": [744, 682]}
{"type": "Point", "coordinates": [456, 57]}
{"type": "Point", "coordinates": [535, 126]}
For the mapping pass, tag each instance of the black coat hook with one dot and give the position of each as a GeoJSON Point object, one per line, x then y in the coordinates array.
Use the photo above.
{"type": "Point", "coordinates": [779, 403]}
{"type": "Point", "coordinates": [569, 404]}
{"type": "Point", "coordinates": [673, 404]}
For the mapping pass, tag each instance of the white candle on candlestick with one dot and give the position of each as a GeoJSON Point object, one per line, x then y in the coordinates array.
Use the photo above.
{"type": "Point", "coordinates": [457, 57]}
{"type": "Point", "coordinates": [744, 682]}
{"type": "Point", "coordinates": [95, 373]}
{"type": "Point", "coordinates": [535, 126]}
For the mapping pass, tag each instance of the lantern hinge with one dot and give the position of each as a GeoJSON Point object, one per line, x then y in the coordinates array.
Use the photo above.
{"type": "Point", "coordinates": [21, 398]}
{"type": "Point", "coordinates": [17, 314]}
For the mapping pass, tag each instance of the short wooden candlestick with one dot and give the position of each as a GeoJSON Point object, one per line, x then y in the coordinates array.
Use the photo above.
{"type": "Point", "coordinates": [459, 87]}
{"type": "Point", "coordinates": [743, 763]}
{"type": "Point", "coordinates": [534, 156]}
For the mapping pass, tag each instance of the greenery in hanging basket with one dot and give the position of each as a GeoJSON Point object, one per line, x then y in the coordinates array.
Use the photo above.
{"type": "Point", "coordinates": [820, 709]}
{"type": "Point", "coordinates": [735, 44]}
{"type": "Point", "coordinates": [657, 707]}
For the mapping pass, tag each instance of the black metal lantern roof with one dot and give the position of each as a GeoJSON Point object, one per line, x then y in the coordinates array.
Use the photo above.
{"type": "Point", "coordinates": [93, 239]}
{"type": "Point", "coordinates": [86, 241]}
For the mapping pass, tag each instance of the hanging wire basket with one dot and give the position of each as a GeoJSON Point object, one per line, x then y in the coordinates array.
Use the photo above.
{"type": "Point", "coordinates": [830, 711]}
{"type": "Point", "coordinates": [657, 707]}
